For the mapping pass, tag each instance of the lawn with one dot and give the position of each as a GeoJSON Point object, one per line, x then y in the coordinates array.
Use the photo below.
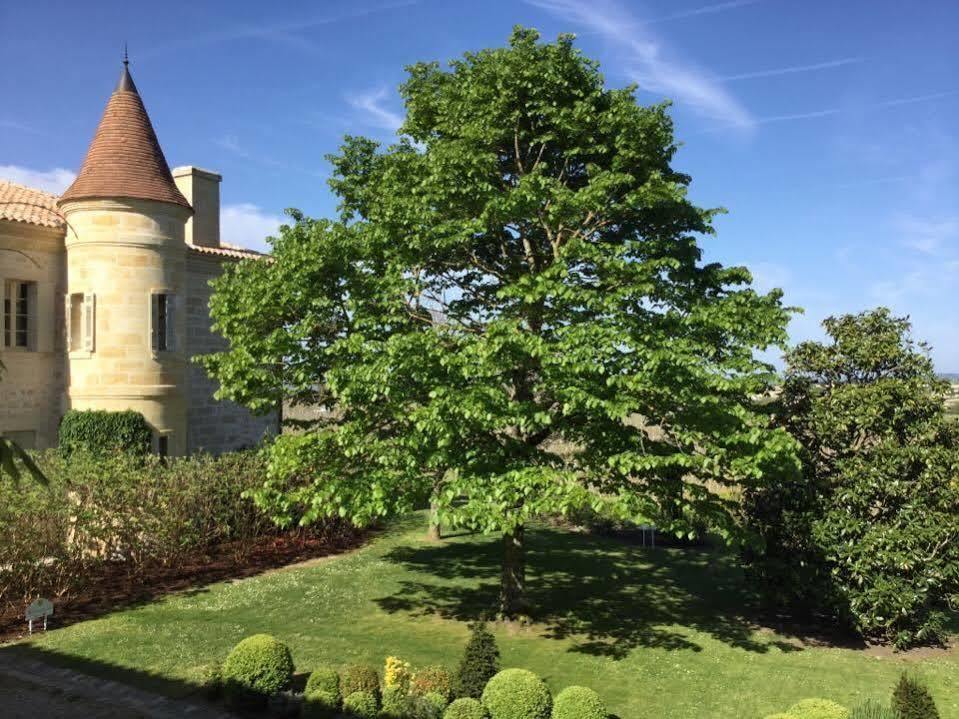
{"type": "Point", "coordinates": [659, 633]}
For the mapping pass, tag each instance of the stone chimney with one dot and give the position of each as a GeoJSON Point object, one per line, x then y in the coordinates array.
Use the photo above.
{"type": "Point", "coordinates": [202, 190]}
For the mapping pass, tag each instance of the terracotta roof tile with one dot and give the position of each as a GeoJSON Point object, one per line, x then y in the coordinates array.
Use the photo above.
{"type": "Point", "coordinates": [224, 250]}
{"type": "Point", "coordinates": [25, 204]}
{"type": "Point", "coordinates": [125, 159]}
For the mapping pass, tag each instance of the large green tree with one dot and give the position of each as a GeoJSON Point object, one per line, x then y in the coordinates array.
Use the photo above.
{"type": "Point", "coordinates": [511, 316]}
{"type": "Point", "coordinates": [869, 532]}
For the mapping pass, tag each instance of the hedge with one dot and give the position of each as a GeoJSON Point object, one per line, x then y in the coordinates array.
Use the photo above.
{"type": "Point", "coordinates": [517, 694]}
{"type": "Point", "coordinates": [257, 668]}
{"type": "Point", "coordinates": [99, 431]}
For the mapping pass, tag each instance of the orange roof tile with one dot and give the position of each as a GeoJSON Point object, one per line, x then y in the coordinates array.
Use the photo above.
{"type": "Point", "coordinates": [125, 159]}
{"type": "Point", "coordinates": [25, 204]}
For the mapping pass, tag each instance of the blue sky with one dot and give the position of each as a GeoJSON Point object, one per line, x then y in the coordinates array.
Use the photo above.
{"type": "Point", "coordinates": [828, 129]}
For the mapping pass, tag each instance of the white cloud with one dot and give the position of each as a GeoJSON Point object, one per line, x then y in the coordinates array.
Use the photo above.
{"type": "Point", "coordinates": [647, 61]}
{"type": "Point", "coordinates": [925, 235]}
{"type": "Point", "coordinates": [372, 104]}
{"type": "Point", "coordinates": [54, 181]}
{"type": "Point", "coordinates": [247, 225]}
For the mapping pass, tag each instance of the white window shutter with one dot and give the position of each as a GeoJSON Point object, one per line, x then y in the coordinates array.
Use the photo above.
{"type": "Point", "coordinates": [43, 316]}
{"type": "Point", "coordinates": [67, 312]}
{"type": "Point", "coordinates": [89, 320]}
{"type": "Point", "coordinates": [170, 316]}
{"type": "Point", "coordinates": [154, 322]}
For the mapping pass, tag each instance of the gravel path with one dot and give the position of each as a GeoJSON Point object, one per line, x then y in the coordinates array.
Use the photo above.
{"type": "Point", "coordinates": [30, 689]}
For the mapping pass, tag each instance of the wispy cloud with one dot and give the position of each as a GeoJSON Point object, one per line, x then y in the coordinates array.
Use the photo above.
{"type": "Point", "coordinates": [54, 181]}
{"type": "Point", "coordinates": [793, 69]}
{"type": "Point", "coordinates": [647, 60]}
{"type": "Point", "coordinates": [925, 235]}
{"type": "Point", "coordinates": [372, 104]}
{"type": "Point", "coordinates": [247, 225]}
{"type": "Point", "coordinates": [232, 145]}
{"type": "Point", "coordinates": [20, 127]}
{"type": "Point", "coordinates": [704, 10]}
{"type": "Point", "coordinates": [285, 32]}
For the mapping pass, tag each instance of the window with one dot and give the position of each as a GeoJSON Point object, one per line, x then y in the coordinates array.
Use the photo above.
{"type": "Point", "coordinates": [19, 314]}
{"type": "Point", "coordinates": [162, 321]}
{"type": "Point", "coordinates": [163, 445]}
{"type": "Point", "coordinates": [81, 322]}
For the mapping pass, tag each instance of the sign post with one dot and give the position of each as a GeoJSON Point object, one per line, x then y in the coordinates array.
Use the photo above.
{"type": "Point", "coordinates": [39, 608]}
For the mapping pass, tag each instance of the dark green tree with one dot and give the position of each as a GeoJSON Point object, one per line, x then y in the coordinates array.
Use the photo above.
{"type": "Point", "coordinates": [479, 664]}
{"type": "Point", "coordinates": [511, 317]}
{"type": "Point", "coordinates": [912, 700]}
{"type": "Point", "coordinates": [868, 533]}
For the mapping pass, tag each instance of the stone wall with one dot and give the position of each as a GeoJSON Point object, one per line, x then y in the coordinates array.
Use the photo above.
{"type": "Point", "coordinates": [214, 426]}
{"type": "Point", "coordinates": [31, 389]}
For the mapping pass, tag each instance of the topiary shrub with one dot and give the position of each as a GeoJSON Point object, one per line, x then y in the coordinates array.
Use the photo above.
{"type": "Point", "coordinates": [257, 668]}
{"type": "Point", "coordinates": [428, 706]}
{"type": "Point", "coordinates": [517, 694]}
{"type": "Point", "coordinates": [320, 704]}
{"type": "Point", "coordinates": [396, 703]}
{"type": "Point", "coordinates": [360, 678]}
{"type": "Point", "coordinates": [818, 709]}
{"type": "Point", "coordinates": [912, 700]}
{"type": "Point", "coordinates": [579, 703]}
{"type": "Point", "coordinates": [465, 708]}
{"type": "Point", "coordinates": [362, 705]}
{"type": "Point", "coordinates": [99, 431]}
{"type": "Point", "coordinates": [323, 679]}
{"type": "Point", "coordinates": [479, 664]}
{"type": "Point", "coordinates": [873, 710]}
{"type": "Point", "coordinates": [432, 679]}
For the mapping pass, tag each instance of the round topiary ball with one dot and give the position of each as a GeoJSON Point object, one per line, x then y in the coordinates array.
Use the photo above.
{"type": "Point", "coordinates": [362, 705]}
{"type": "Point", "coordinates": [258, 667]}
{"type": "Point", "coordinates": [818, 709]}
{"type": "Point", "coordinates": [323, 679]}
{"type": "Point", "coordinates": [517, 694]}
{"type": "Point", "coordinates": [466, 708]}
{"type": "Point", "coordinates": [320, 704]}
{"type": "Point", "coordinates": [579, 703]}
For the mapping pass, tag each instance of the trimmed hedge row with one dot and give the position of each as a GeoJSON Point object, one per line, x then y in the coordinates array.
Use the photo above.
{"type": "Point", "coordinates": [102, 432]}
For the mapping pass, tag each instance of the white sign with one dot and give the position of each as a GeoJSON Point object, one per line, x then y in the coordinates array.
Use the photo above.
{"type": "Point", "coordinates": [39, 608]}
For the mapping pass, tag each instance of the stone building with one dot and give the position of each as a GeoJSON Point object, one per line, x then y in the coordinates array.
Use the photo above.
{"type": "Point", "coordinates": [105, 294]}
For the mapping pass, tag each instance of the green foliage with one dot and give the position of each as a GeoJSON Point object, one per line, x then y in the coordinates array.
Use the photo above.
{"type": "Point", "coordinates": [517, 694]}
{"type": "Point", "coordinates": [361, 705]}
{"type": "Point", "coordinates": [13, 456]}
{"type": "Point", "coordinates": [578, 703]}
{"type": "Point", "coordinates": [323, 679]}
{"type": "Point", "coordinates": [779, 715]}
{"type": "Point", "coordinates": [466, 708]}
{"type": "Point", "coordinates": [432, 679]}
{"type": "Point", "coordinates": [873, 710]}
{"type": "Point", "coordinates": [429, 706]}
{"type": "Point", "coordinates": [320, 704]}
{"type": "Point", "coordinates": [866, 534]}
{"type": "Point", "coordinates": [912, 700]}
{"type": "Point", "coordinates": [818, 709]}
{"type": "Point", "coordinates": [397, 703]}
{"type": "Point", "coordinates": [479, 664]}
{"type": "Point", "coordinates": [517, 274]}
{"type": "Point", "coordinates": [257, 668]}
{"type": "Point", "coordinates": [359, 678]}
{"type": "Point", "coordinates": [102, 432]}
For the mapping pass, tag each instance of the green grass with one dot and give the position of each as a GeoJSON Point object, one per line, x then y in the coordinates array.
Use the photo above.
{"type": "Point", "coordinates": [658, 633]}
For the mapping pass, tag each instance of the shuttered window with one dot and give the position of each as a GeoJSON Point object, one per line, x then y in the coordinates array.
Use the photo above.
{"type": "Point", "coordinates": [162, 321]}
{"type": "Point", "coordinates": [81, 321]}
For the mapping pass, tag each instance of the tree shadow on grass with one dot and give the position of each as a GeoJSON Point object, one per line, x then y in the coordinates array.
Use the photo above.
{"type": "Point", "coordinates": [608, 597]}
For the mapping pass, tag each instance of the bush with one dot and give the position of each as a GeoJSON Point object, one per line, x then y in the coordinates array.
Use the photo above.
{"type": "Point", "coordinates": [818, 709]}
{"type": "Point", "coordinates": [397, 703]}
{"type": "Point", "coordinates": [362, 705]}
{"type": "Point", "coordinates": [432, 679]}
{"type": "Point", "coordinates": [517, 694]}
{"type": "Point", "coordinates": [465, 708]}
{"type": "Point", "coordinates": [873, 710]}
{"type": "Point", "coordinates": [360, 678]}
{"type": "Point", "coordinates": [102, 432]}
{"type": "Point", "coordinates": [428, 706]}
{"type": "Point", "coordinates": [320, 704]}
{"type": "Point", "coordinates": [480, 663]}
{"type": "Point", "coordinates": [779, 715]}
{"type": "Point", "coordinates": [397, 673]}
{"type": "Point", "coordinates": [323, 679]}
{"type": "Point", "coordinates": [578, 703]}
{"type": "Point", "coordinates": [912, 700]}
{"type": "Point", "coordinates": [257, 668]}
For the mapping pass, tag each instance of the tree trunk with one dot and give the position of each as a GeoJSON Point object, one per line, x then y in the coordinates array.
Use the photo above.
{"type": "Point", "coordinates": [513, 589]}
{"type": "Point", "coordinates": [435, 531]}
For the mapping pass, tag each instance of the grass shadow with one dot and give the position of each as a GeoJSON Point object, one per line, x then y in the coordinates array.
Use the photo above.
{"type": "Point", "coordinates": [607, 596]}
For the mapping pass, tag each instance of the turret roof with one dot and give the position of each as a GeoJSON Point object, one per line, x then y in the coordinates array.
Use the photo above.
{"type": "Point", "coordinates": [124, 159]}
